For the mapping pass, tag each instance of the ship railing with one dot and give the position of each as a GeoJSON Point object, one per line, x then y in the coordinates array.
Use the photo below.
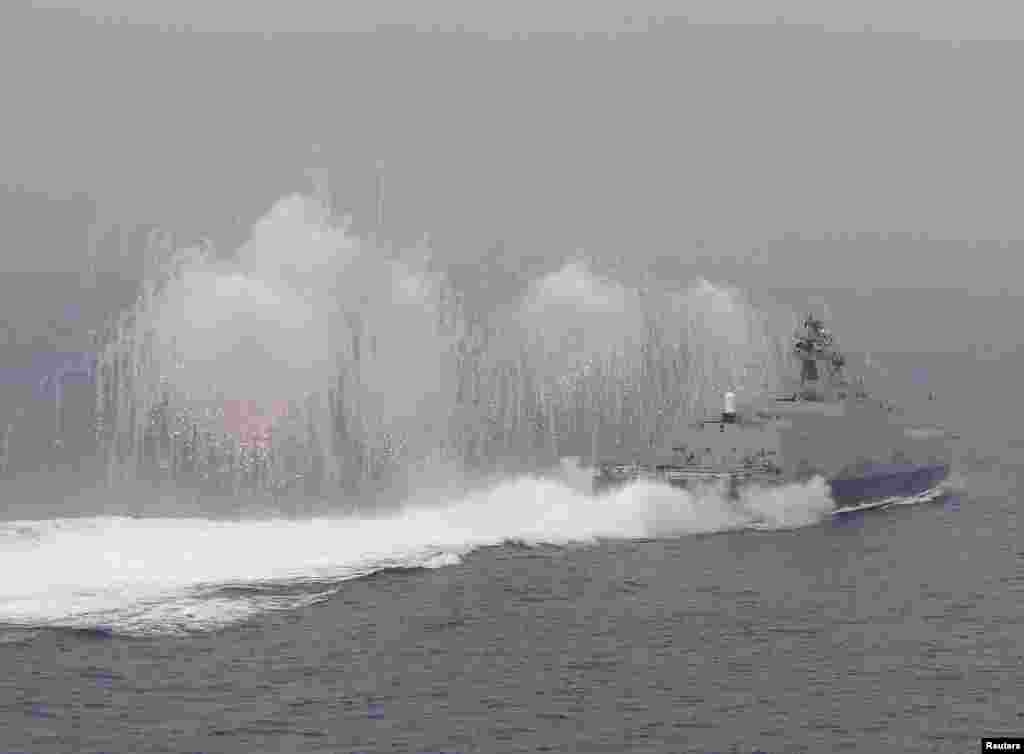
{"type": "Point", "coordinates": [686, 472]}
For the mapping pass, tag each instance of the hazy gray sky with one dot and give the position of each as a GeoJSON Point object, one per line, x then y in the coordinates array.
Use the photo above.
{"type": "Point", "coordinates": [635, 145]}
{"type": "Point", "coordinates": [934, 19]}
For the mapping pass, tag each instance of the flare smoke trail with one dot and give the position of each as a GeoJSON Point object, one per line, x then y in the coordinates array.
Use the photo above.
{"type": "Point", "coordinates": [315, 354]}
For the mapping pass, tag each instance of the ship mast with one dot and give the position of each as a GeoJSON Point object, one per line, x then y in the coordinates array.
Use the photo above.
{"type": "Point", "coordinates": [380, 197]}
{"type": "Point", "coordinates": [813, 344]}
{"type": "Point", "coordinates": [378, 230]}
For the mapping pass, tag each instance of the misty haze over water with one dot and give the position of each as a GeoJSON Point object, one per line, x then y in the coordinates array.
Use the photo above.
{"type": "Point", "coordinates": [444, 249]}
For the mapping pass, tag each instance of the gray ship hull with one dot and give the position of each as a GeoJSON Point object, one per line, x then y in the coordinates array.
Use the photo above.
{"type": "Point", "coordinates": [879, 487]}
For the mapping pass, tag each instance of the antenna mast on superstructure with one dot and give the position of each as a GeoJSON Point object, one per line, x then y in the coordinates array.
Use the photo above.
{"type": "Point", "coordinates": [814, 343]}
{"type": "Point", "coordinates": [379, 187]}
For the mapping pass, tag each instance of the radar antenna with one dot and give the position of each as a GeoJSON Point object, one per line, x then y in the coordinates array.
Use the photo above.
{"type": "Point", "coordinates": [814, 343]}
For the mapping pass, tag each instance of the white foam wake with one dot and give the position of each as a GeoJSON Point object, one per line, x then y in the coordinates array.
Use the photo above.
{"type": "Point", "coordinates": [157, 575]}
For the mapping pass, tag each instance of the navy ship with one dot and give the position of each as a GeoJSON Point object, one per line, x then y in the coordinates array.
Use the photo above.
{"type": "Point", "coordinates": [825, 426]}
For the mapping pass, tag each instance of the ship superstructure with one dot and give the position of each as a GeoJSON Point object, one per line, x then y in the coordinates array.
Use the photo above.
{"type": "Point", "coordinates": [822, 425]}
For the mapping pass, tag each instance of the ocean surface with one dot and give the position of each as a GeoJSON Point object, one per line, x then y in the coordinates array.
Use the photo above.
{"type": "Point", "coordinates": [529, 617]}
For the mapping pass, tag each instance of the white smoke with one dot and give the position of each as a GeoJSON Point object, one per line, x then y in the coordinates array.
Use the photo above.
{"type": "Point", "coordinates": [305, 314]}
